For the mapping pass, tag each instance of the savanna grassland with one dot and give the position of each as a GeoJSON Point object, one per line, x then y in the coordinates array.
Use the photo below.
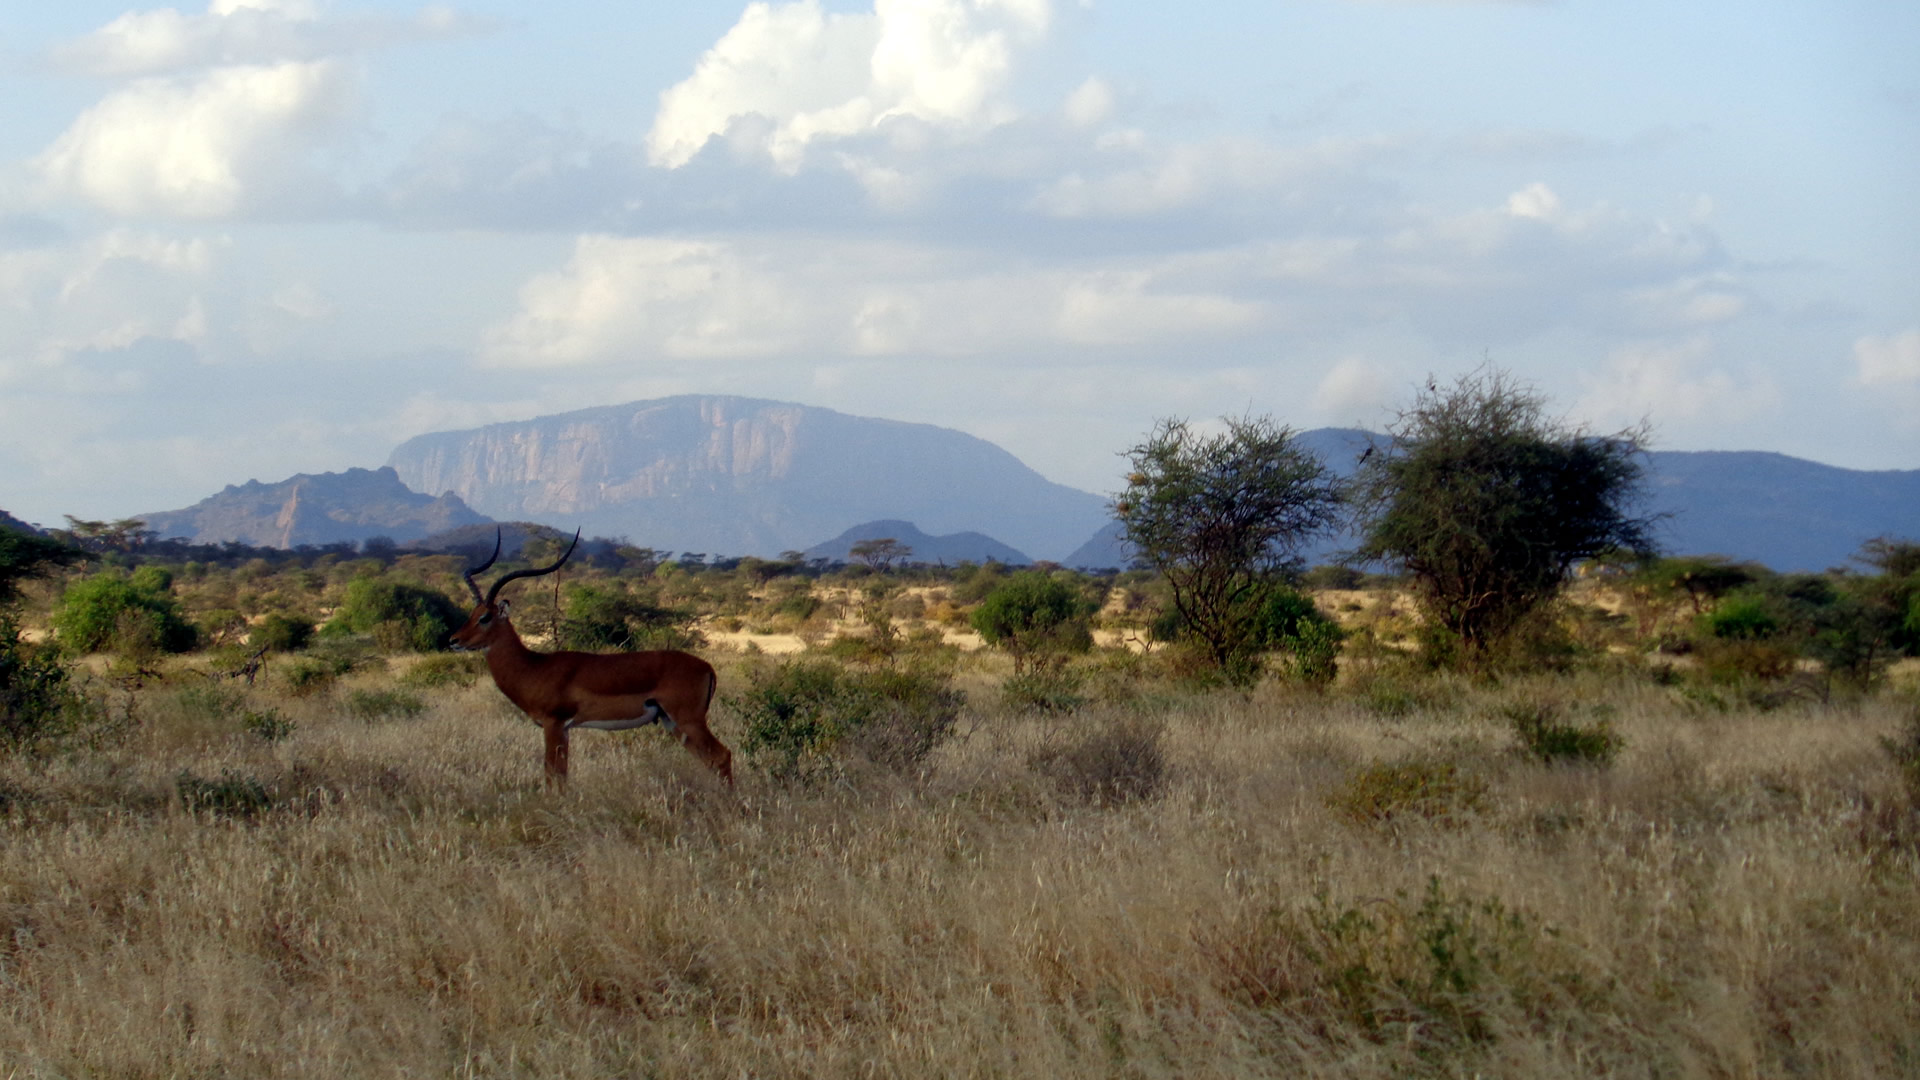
{"type": "Point", "coordinates": [1620, 867]}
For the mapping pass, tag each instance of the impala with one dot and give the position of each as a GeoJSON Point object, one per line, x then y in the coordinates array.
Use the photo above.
{"type": "Point", "coordinates": [607, 692]}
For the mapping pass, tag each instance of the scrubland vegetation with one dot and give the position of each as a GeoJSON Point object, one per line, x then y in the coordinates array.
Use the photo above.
{"type": "Point", "coordinates": [1672, 842]}
{"type": "Point", "coordinates": [1538, 804]}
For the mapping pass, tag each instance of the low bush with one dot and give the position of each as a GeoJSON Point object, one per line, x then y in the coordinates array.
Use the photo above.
{"type": "Point", "coordinates": [445, 669]}
{"type": "Point", "coordinates": [368, 706]}
{"type": "Point", "coordinates": [396, 615]}
{"type": "Point", "coordinates": [231, 794]}
{"type": "Point", "coordinates": [600, 618]}
{"type": "Point", "coordinates": [799, 714]}
{"type": "Point", "coordinates": [1742, 660]}
{"type": "Point", "coordinates": [307, 677]}
{"type": "Point", "coordinates": [281, 633]}
{"type": "Point", "coordinates": [1742, 617]}
{"type": "Point", "coordinates": [267, 724]}
{"type": "Point", "coordinates": [134, 614]}
{"type": "Point", "coordinates": [1546, 738]}
{"type": "Point", "coordinates": [1108, 765]}
{"type": "Point", "coordinates": [1033, 614]}
{"type": "Point", "coordinates": [1052, 688]}
{"type": "Point", "coordinates": [1423, 788]}
{"type": "Point", "coordinates": [38, 701]}
{"type": "Point", "coordinates": [1313, 652]}
{"type": "Point", "coordinates": [1428, 974]}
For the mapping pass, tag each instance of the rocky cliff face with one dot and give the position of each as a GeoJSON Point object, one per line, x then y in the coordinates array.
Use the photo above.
{"type": "Point", "coordinates": [321, 508]}
{"type": "Point", "coordinates": [741, 476]}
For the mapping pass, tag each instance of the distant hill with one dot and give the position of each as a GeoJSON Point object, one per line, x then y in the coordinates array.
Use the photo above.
{"type": "Point", "coordinates": [1105, 551]}
{"type": "Point", "coordinates": [951, 550]}
{"type": "Point", "coordinates": [742, 476]}
{"type": "Point", "coordinates": [1783, 512]}
{"type": "Point", "coordinates": [1787, 513]}
{"type": "Point", "coordinates": [321, 508]}
{"type": "Point", "coordinates": [8, 521]}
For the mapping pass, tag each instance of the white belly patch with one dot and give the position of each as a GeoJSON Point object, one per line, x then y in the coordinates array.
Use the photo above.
{"type": "Point", "coordinates": [652, 714]}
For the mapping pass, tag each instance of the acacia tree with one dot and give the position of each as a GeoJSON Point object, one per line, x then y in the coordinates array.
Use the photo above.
{"type": "Point", "coordinates": [1220, 517]}
{"type": "Point", "coordinates": [1487, 504]}
{"type": "Point", "coordinates": [24, 555]}
{"type": "Point", "coordinates": [881, 553]}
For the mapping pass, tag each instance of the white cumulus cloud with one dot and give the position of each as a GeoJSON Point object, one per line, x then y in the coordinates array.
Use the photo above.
{"type": "Point", "coordinates": [1354, 389]}
{"type": "Point", "coordinates": [650, 296]}
{"type": "Point", "coordinates": [788, 75]}
{"type": "Point", "coordinates": [204, 146]}
{"type": "Point", "coordinates": [636, 299]}
{"type": "Point", "coordinates": [108, 293]}
{"type": "Point", "coordinates": [1676, 383]}
{"type": "Point", "coordinates": [1894, 358]}
{"type": "Point", "coordinates": [230, 32]}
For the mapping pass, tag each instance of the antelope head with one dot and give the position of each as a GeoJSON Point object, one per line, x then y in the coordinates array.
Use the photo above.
{"type": "Point", "coordinates": [489, 619]}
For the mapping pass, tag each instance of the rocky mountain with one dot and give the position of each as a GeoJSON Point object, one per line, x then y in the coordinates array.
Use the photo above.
{"type": "Point", "coordinates": [1783, 512]}
{"type": "Point", "coordinates": [951, 549]}
{"type": "Point", "coordinates": [742, 476]}
{"type": "Point", "coordinates": [320, 508]}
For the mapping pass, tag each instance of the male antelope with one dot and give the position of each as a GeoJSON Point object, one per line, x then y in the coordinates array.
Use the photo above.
{"type": "Point", "coordinates": [608, 692]}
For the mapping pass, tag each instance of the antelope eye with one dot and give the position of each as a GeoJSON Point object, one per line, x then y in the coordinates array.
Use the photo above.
{"type": "Point", "coordinates": [485, 619]}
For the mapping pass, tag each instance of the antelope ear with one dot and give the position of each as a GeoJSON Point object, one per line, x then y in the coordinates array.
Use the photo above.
{"type": "Point", "coordinates": [500, 609]}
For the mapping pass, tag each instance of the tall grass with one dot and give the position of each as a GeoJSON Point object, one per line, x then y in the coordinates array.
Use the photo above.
{"type": "Point", "coordinates": [406, 898]}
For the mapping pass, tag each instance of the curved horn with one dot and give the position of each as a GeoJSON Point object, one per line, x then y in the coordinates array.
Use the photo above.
{"type": "Point", "coordinates": [495, 591]}
{"type": "Point", "coordinates": [474, 585]}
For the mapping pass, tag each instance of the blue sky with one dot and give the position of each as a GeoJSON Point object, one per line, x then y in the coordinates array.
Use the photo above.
{"type": "Point", "coordinates": [278, 236]}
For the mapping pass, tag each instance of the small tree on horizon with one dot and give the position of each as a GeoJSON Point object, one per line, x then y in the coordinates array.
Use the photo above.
{"type": "Point", "coordinates": [879, 554]}
{"type": "Point", "coordinates": [1220, 517]}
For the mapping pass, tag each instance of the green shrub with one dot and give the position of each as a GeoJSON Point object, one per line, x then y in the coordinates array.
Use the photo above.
{"type": "Point", "coordinates": [1742, 660]}
{"type": "Point", "coordinates": [267, 724]}
{"type": "Point", "coordinates": [1552, 741]}
{"type": "Point", "coordinates": [1049, 689]}
{"type": "Point", "coordinates": [1424, 788]}
{"type": "Point", "coordinates": [1330, 576]}
{"type": "Point", "coordinates": [211, 701]}
{"type": "Point", "coordinates": [1032, 613]}
{"type": "Point", "coordinates": [38, 701]}
{"type": "Point", "coordinates": [798, 714]}
{"type": "Point", "coordinates": [1109, 765]}
{"type": "Point", "coordinates": [801, 605]}
{"type": "Point", "coordinates": [368, 706]}
{"type": "Point", "coordinates": [1395, 699]}
{"type": "Point", "coordinates": [219, 626]}
{"type": "Point", "coordinates": [1313, 652]}
{"type": "Point", "coordinates": [445, 669]}
{"type": "Point", "coordinates": [1743, 617]}
{"type": "Point", "coordinates": [1425, 974]}
{"type": "Point", "coordinates": [229, 795]}
{"type": "Point", "coordinates": [306, 677]}
{"type": "Point", "coordinates": [602, 617]}
{"type": "Point", "coordinates": [281, 633]}
{"type": "Point", "coordinates": [113, 611]}
{"type": "Point", "coordinates": [398, 616]}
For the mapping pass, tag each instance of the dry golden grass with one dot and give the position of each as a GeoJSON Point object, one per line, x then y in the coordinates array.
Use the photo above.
{"type": "Point", "coordinates": [413, 903]}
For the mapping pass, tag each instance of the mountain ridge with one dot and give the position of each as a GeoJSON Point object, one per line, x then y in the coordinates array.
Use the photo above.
{"type": "Point", "coordinates": [355, 505]}
{"type": "Point", "coordinates": [737, 476]}
{"type": "Point", "coordinates": [720, 473]}
{"type": "Point", "coordinates": [958, 547]}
